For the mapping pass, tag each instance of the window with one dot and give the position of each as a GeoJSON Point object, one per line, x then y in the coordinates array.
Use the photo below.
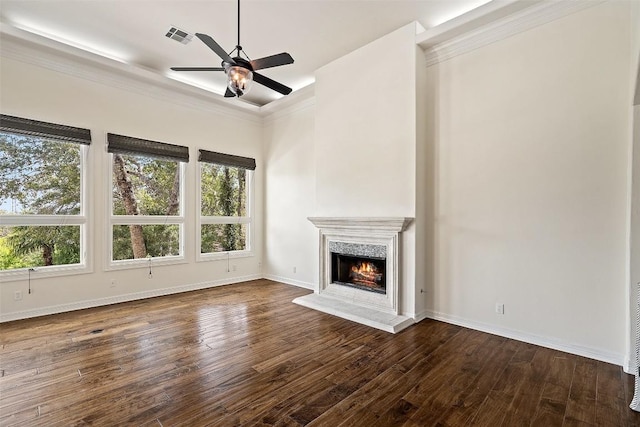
{"type": "Point", "coordinates": [43, 215]}
{"type": "Point", "coordinates": [225, 210]}
{"type": "Point", "coordinates": [147, 200]}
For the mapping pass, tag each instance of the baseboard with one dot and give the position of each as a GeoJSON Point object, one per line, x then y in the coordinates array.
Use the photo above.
{"type": "Point", "coordinates": [630, 366]}
{"type": "Point", "coordinates": [289, 281]}
{"type": "Point", "coordinates": [419, 317]}
{"type": "Point", "coordinates": [579, 350]}
{"type": "Point", "coordinates": [80, 305]}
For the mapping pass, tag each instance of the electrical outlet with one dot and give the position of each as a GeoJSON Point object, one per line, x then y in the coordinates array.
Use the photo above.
{"type": "Point", "coordinates": [499, 308]}
{"type": "Point", "coordinates": [17, 296]}
{"type": "Point", "coordinates": [295, 269]}
{"type": "Point", "coordinates": [234, 268]}
{"type": "Point", "coordinates": [114, 283]}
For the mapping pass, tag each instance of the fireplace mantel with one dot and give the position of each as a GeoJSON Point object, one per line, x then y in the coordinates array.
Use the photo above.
{"type": "Point", "coordinates": [391, 224]}
{"type": "Point", "coordinates": [382, 235]}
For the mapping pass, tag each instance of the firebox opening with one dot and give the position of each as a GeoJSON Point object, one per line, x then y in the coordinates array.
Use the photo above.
{"type": "Point", "coordinates": [359, 272]}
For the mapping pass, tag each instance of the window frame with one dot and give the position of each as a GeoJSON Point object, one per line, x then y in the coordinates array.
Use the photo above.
{"type": "Point", "coordinates": [207, 219]}
{"type": "Point", "coordinates": [83, 220]}
{"type": "Point", "coordinates": [113, 220]}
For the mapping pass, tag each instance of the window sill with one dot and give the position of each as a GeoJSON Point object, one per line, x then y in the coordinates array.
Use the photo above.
{"type": "Point", "coordinates": [144, 263]}
{"type": "Point", "coordinates": [224, 255]}
{"type": "Point", "coordinates": [43, 272]}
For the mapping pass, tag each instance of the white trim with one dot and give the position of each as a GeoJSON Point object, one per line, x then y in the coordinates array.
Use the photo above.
{"type": "Point", "coordinates": [630, 366]}
{"type": "Point", "coordinates": [31, 48]}
{"type": "Point", "coordinates": [388, 322]}
{"type": "Point", "coordinates": [126, 264]}
{"type": "Point", "coordinates": [247, 220]}
{"type": "Point", "coordinates": [44, 272]}
{"type": "Point", "coordinates": [53, 220]}
{"type": "Point", "coordinates": [305, 100]}
{"type": "Point", "coordinates": [419, 317]}
{"type": "Point", "coordinates": [439, 48]}
{"type": "Point", "coordinates": [112, 220]}
{"type": "Point", "coordinates": [381, 224]}
{"type": "Point", "coordinates": [146, 220]}
{"type": "Point", "coordinates": [61, 308]}
{"type": "Point", "coordinates": [288, 281]}
{"type": "Point", "coordinates": [217, 256]}
{"type": "Point", "coordinates": [225, 220]}
{"type": "Point", "coordinates": [554, 343]}
{"type": "Point", "coordinates": [29, 220]}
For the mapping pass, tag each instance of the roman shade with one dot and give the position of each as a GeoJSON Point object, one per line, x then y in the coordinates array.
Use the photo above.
{"type": "Point", "coordinates": [37, 128]}
{"type": "Point", "coordinates": [227, 160]}
{"type": "Point", "coordinates": [136, 146]}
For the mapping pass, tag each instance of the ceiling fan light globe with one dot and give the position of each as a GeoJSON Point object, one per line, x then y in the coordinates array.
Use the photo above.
{"type": "Point", "coordinates": [239, 80]}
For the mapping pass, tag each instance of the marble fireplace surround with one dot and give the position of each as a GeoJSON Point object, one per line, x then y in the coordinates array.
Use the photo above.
{"type": "Point", "coordinates": [380, 311]}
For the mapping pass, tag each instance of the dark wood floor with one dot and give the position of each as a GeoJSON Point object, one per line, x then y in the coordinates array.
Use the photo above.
{"type": "Point", "coordinates": [245, 355]}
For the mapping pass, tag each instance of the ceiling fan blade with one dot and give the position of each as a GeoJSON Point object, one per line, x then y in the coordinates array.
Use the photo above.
{"type": "Point", "coordinates": [272, 61]}
{"type": "Point", "coordinates": [271, 84]}
{"type": "Point", "coordinates": [211, 43]}
{"type": "Point", "coordinates": [229, 94]}
{"type": "Point", "coordinates": [197, 68]}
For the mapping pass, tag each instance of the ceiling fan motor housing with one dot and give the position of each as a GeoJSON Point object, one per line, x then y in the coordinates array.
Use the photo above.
{"type": "Point", "coordinates": [240, 76]}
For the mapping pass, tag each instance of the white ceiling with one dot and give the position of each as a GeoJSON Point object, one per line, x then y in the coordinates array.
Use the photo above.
{"type": "Point", "coordinates": [314, 32]}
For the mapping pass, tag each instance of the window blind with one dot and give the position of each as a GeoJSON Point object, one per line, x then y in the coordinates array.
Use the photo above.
{"type": "Point", "coordinates": [227, 160]}
{"type": "Point", "coordinates": [136, 146]}
{"type": "Point", "coordinates": [30, 127]}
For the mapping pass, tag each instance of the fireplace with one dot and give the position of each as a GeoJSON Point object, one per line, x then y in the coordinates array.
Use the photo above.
{"type": "Point", "coordinates": [359, 276]}
{"type": "Point", "coordinates": [359, 266]}
{"type": "Point", "coordinates": [359, 272]}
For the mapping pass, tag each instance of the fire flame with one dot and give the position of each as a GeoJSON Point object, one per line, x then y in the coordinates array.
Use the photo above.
{"type": "Point", "coordinates": [365, 273]}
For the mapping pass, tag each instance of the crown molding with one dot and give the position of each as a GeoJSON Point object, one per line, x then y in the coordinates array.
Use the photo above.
{"type": "Point", "coordinates": [494, 22]}
{"type": "Point", "coordinates": [305, 98]}
{"type": "Point", "coordinates": [36, 50]}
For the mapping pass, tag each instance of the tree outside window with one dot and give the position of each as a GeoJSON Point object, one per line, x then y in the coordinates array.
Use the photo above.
{"type": "Point", "coordinates": [147, 215]}
{"type": "Point", "coordinates": [225, 218]}
{"type": "Point", "coordinates": [41, 208]}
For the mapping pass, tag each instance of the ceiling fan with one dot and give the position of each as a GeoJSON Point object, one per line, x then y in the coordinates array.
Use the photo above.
{"type": "Point", "coordinates": [240, 71]}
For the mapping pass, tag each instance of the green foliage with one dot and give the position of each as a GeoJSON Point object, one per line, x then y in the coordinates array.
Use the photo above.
{"type": "Point", "coordinates": [160, 240]}
{"type": "Point", "coordinates": [222, 190]}
{"type": "Point", "coordinates": [223, 194]}
{"type": "Point", "coordinates": [154, 190]}
{"type": "Point", "coordinates": [35, 246]}
{"type": "Point", "coordinates": [222, 237]}
{"type": "Point", "coordinates": [152, 181]}
{"type": "Point", "coordinates": [10, 260]}
{"type": "Point", "coordinates": [39, 176]}
{"type": "Point", "coordinates": [43, 176]}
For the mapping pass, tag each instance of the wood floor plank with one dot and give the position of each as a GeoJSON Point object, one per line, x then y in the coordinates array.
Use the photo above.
{"type": "Point", "coordinates": [465, 405]}
{"type": "Point", "coordinates": [245, 355]}
{"type": "Point", "coordinates": [581, 405]}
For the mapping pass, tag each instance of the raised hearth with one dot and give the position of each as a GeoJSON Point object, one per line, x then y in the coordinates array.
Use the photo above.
{"type": "Point", "coordinates": [359, 271]}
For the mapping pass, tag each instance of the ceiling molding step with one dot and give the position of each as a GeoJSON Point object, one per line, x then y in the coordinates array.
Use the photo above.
{"type": "Point", "coordinates": [305, 98]}
{"type": "Point", "coordinates": [32, 49]}
{"type": "Point", "coordinates": [438, 48]}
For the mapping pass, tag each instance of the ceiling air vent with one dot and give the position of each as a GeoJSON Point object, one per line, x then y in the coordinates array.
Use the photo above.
{"type": "Point", "coordinates": [179, 35]}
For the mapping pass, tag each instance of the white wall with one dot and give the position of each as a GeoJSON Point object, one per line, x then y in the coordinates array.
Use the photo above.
{"type": "Point", "coordinates": [42, 94]}
{"type": "Point", "coordinates": [634, 255]}
{"type": "Point", "coordinates": [425, 188]}
{"type": "Point", "coordinates": [365, 130]}
{"type": "Point", "coordinates": [634, 197]}
{"type": "Point", "coordinates": [531, 138]}
{"type": "Point", "coordinates": [290, 186]}
{"type": "Point", "coordinates": [365, 140]}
